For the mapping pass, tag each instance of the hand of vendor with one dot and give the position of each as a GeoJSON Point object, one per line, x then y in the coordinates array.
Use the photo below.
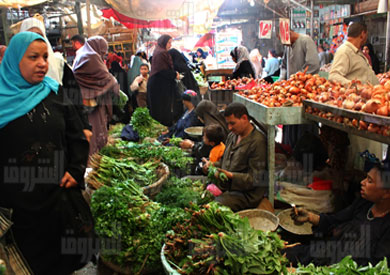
{"type": "Point", "coordinates": [206, 165]}
{"type": "Point", "coordinates": [68, 181]}
{"type": "Point", "coordinates": [301, 215]}
{"type": "Point", "coordinates": [227, 173]}
{"type": "Point", "coordinates": [165, 141]}
{"type": "Point", "coordinates": [177, 76]}
{"type": "Point", "coordinates": [187, 144]}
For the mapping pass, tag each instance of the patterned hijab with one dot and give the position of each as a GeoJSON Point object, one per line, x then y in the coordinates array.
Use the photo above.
{"type": "Point", "coordinates": [17, 96]}
{"type": "Point", "coordinates": [241, 54]}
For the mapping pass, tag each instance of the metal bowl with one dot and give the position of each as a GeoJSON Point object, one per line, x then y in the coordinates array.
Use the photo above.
{"type": "Point", "coordinates": [288, 224]}
{"type": "Point", "coordinates": [194, 131]}
{"type": "Point", "coordinates": [260, 219]}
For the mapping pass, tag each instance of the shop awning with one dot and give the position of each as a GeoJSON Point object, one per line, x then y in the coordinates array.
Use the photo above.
{"type": "Point", "coordinates": [163, 9]}
{"type": "Point", "coordinates": [206, 40]}
{"type": "Point", "coordinates": [132, 23]}
{"type": "Point", "coordinates": [16, 4]}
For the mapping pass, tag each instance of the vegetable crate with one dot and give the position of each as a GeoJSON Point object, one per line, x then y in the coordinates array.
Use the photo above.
{"type": "Point", "coordinates": [221, 97]}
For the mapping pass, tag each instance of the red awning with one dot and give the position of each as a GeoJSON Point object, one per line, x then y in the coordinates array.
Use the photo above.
{"type": "Point", "coordinates": [206, 40]}
{"type": "Point", "coordinates": [132, 23]}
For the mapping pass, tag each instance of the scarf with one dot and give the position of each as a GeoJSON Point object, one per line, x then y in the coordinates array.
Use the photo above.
{"type": "Point", "coordinates": [241, 53]}
{"type": "Point", "coordinates": [209, 113]}
{"type": "Point", "coordinates": [161, 59]}
{"type": "Point", "coordinates": [17, 96]}
{"type": "Point", "coordinates": [90, 71]}
{"type": "Point", "coordinates": [54, 63]}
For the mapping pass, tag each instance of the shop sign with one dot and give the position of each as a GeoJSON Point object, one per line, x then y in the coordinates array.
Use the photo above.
{"type": "Point", "coordinates": [265, 29]}
{"type": "Point", "coordinates": [284, 30]}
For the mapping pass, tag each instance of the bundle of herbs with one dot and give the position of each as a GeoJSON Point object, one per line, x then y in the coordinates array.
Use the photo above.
{"type": "Point", "coordinates": [217, 241]}
{"type": "Point", "coordinates": [107, 169]}
{"type": "Point", "coordinates": [145, 125]}
{"type": "Point", "coordinates": [183, 192]}
{"type": "Point", "coordinates": [135, 224]}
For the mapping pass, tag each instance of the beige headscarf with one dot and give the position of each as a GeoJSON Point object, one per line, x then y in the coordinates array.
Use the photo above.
{"type": "Point", "coordinates": [55, 64]}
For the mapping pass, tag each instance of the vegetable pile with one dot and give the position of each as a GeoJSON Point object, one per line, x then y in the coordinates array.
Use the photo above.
{"type": "Point", "coordinates": [135, 224]}
{"type": "Point", "coordinates": [217, 241]}
{"type": "Point", "coordinates": [145, 125]}
{"type": "Point", "coordinates": [230, 84]}
{"type": "Point", "coordinates": [351, 122]}
{"type": "Point", "coordinates": [345, 266]}
{"type": "Point", "coordinates": [221, 177]}
{"type": "Point", "coordinates": [107, 169]}
{"type": "Point", "coordinates": [291, 92]}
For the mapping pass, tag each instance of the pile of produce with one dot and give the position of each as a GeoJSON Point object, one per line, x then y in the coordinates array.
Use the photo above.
{"type": "Point", "coordinates": [230, 84]}
{"type": "Point", "coordinates": [217, 241]}
{"type": "Point", "coordinates": [359, 97]}
{"type": "Point", "coordinates": [291, 92]}
{"type": "Point", "coordinates": [133, 225]}
{"type": "Point", "coordinates": [358, 124]}
{"type": "Point", "coordinates": [199, 77]}
{"type": "Point", "coordinates": [107, 169]}
{"type": "Point", "coordinates": [383, 77]}
{"type": "Point", "coordinates": [145, 125]}
{"type": "Point", "coordinates": [345, 266]}
{"type": "Point", "coordinates": [183, 192]}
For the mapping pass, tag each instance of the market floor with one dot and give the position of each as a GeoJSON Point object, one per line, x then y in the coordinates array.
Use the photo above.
{"type": "Point", "coordinates": [93, 269]}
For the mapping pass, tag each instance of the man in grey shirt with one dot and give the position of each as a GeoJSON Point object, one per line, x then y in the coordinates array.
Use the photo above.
{"type": "Point", "coordinates": [301, 54]}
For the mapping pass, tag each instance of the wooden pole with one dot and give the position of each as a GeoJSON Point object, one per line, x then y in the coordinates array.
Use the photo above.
{"type": "Point", "coordinates": [79, 18]}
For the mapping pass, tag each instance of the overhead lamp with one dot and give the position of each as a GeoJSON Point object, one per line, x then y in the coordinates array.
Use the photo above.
{"type": "Point", "coordinates": [252, 3]}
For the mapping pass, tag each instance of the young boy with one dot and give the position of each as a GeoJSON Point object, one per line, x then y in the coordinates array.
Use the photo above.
{"type": "Point", "coordinates": [139, 84]}
{"type": "Point", "coordinates": [213, 136]}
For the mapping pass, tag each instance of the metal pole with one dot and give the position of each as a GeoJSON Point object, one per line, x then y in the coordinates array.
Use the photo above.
{"type": "Point", "coordinates": [311, 18]}
{"type": "Point", "coordinates": [271, 163]}
{"type": "Point", "coordinates": [5, 25]}
{"type": "Point", "coordinates": [88, 18]}
{"type": "Point", "coordinates": [79, 18]}
{"type": "Point", "coordinates": [387, 51]}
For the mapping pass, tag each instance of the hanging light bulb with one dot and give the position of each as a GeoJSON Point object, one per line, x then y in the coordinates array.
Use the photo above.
{"type": "Point", "coordinates": [383, 6]}
{"type": "Point", "coordinates": [252, 3]}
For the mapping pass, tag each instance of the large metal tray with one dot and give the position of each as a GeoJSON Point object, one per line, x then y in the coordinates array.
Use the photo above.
{"type": "Point", "coordinates": [272, 116]}
{"type": "Point", "coordinates": [370, 118]}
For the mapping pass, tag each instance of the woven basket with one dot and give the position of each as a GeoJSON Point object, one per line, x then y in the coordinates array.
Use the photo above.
{"type": "Point", "coordinates": [167, 267]}
{"type": "Point", "coordinates": [260, 219]}
{"type": "Point", "coordinates": [155, 188]}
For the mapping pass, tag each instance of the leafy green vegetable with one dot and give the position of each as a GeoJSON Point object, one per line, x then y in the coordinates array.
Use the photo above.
{"type": "Point", "coordinates": [175, 141]}
{"type": "Point", "coordinates": [216, 180]}
{"type": "Point", "coordinates": [217, 241]}
{"type": "Point", "coordinates": [107, 169]}
{"type": "Point", "coordinates": [345, 266]}
{"type": "Point", "coordinates": [139, 225]}
{"type": "Point", "coordinates": [182, 193]}
{"type": "Point", "coordinates": [145, 125]}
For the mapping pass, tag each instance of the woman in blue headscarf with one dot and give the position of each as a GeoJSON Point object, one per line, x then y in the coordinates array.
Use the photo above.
{"type": "Point", "coordinates": [43, 158]}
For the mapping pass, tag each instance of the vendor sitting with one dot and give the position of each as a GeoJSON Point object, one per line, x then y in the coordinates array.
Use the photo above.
{"type": "Point", "coordinates": [362, 230]}
{"type": "Point", "coordinates": [189, 119]}
{"type": "Point", "coordinates": [243, 161]}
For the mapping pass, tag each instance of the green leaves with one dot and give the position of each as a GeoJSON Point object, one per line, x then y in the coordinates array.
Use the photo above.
{"type": "Point", "coordinates": [144, 124]}
{"type": "Point", "coordinates": [346, 266]}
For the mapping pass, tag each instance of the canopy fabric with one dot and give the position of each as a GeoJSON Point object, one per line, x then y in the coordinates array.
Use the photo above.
{"type": "Point", "coordinates": [16, 4]}
{"type": "Point", "coordinates": [132, 23]}
{"type": "Point", "coordinates": [163, 9]}
{"type": "Point", "coordinates": [206, 40]}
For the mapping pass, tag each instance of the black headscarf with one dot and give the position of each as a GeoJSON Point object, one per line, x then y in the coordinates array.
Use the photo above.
{"type": "Point", "coordinates": [209, 113]}
{"type": "Point", "coordinates": [161, 58]}
{"type": "Point", "coordinates": [179, 63]}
